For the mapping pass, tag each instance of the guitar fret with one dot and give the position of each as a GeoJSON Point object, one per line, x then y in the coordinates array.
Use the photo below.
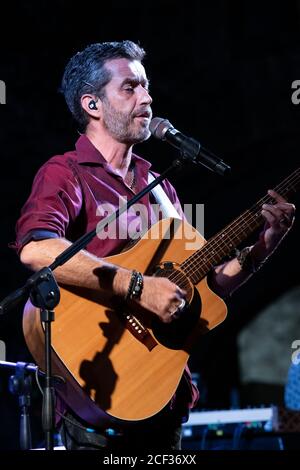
{"type": "Point", "coordinates": [198, 265]}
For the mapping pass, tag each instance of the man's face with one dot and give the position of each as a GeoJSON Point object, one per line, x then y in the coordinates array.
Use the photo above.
{"type": "Point", "coordinates": [126, 103]}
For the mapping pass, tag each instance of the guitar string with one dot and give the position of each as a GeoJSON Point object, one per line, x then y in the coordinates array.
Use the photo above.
{"type": "Point", "coordinates": [222, 242]}
{"type": "Point", "coordinates": [246, 218]}
{"type": "Point", "coordinates": [219, 242]}
{"type": "Point", "coordinates": [191, 261]}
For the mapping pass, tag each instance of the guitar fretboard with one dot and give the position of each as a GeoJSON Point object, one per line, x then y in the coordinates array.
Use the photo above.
{"type": "Point", "coordinates": [198, 265]}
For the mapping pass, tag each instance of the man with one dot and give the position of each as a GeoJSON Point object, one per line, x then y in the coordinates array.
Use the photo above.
{"type": "Point", "coordinates": [106, 89]}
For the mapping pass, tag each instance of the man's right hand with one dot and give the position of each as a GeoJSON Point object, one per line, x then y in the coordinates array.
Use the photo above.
{"type": "Point", "coordinates": [161, 296]}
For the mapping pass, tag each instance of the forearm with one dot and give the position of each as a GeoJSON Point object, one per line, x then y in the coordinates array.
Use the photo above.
{"type": "Point", "coordinates": [226, 278]}
{"type": "Point", "coordinates": [159, 295]}
{"type": "Point", "coordinates": [84, 269]}
{"type": "Point", "coordinates": [279, 218]}
{"type": "Point", "coordinates": [229, 276]}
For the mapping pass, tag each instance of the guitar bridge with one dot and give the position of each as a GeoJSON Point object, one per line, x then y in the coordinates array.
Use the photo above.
{"type": "Point", "coordinates": [139, 331]}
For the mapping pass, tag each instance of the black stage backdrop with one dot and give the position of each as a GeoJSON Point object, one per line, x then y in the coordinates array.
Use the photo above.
{"type": "Point", "coordinates": [221, 72]}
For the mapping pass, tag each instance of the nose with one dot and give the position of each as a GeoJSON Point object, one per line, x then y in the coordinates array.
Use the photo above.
{"type": "Point", "coordinates": [145, 97]}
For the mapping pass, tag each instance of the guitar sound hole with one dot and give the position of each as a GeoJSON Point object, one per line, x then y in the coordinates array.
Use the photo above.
{"type": "Point", "coordinates": [175, 335]}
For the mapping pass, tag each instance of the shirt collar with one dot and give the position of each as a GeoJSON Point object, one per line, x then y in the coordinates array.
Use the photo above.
{"type": "Point", "coordinates": [87, 153]}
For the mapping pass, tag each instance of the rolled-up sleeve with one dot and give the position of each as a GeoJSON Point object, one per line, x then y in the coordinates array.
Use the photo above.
{"type": "Point", "coordinates": [54, 203]}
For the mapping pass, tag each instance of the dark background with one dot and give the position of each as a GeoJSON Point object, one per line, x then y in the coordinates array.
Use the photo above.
{"type": "Point", "coordinates": [220, 71]}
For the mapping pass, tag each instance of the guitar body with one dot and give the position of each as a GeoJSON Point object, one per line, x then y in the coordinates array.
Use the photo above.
{"type": "Point", "coordinates": [119, 364]}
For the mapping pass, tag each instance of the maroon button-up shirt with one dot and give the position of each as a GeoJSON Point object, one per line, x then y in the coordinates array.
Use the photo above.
{"type": "Point", "coordinates": [72, 193]}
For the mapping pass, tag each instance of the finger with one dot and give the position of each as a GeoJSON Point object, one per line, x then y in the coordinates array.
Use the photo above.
{"type": "Point", "coordinates": [276, 196]}
{"type": "Point", "coordinates": [181, 306]}
{"type": "Point", "coordinates": [180, 292]}
{"type": "Point", "coordinates": [270, 217]}
{"type": "Point", "coordinates": [167, 318]}
{"type": "Point", "coordinates": [175, 313]}
{"type": "Point", "coordinates": [289, 209]}
{"type": "Point", "coordinates": [274, 210]}
{"type": "Point", "coordinates": [284, 206]}
{"type": "Point", "coordinates": [172, 313]}
{"type": "Point", "coordinates": [283, 212]}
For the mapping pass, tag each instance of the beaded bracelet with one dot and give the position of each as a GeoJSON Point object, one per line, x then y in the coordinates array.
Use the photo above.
{"type": "Point", "coordinates": [135, 285]}
{"type": "Point", "coordinates": [247, 262]}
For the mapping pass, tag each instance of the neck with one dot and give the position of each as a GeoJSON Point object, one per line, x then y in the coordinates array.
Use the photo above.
{"type": "Point", "coordinates": [117, 154]}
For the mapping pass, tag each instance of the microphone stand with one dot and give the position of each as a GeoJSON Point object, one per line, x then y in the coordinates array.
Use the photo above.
{"type": "Point", "coordinates": [44, 291]}
{"type": "Point", "coordinates": [20, 384]}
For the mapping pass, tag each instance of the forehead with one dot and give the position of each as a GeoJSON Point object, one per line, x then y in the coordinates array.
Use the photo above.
{"type": "Point", "coordinates": [125, 68]}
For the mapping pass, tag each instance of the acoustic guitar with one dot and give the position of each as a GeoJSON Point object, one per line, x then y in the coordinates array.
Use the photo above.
{"type": "Point", "coordinates": [120, 363]}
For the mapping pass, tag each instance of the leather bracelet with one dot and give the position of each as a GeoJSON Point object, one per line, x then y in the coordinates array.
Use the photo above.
{"type": "Point", "coordinates": [135, 285]}
{"type": "Point", "coordinates": [247, 262]}
{"type": "Point", "coordinates": [131, 282]}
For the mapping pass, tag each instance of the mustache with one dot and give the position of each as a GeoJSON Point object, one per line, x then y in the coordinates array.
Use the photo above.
{"type": "Point", "coordinates": [143, 112]}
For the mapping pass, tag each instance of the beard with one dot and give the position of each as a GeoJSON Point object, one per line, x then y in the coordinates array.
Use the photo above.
{"type": "Point", "coordinates": [123, 126]}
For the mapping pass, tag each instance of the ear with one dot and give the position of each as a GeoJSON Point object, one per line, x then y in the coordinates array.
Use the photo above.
{"type": "Point", "coordinates": [85, 103]}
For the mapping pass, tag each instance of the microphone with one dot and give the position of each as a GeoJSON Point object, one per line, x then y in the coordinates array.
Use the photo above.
{"type": "Point", "coordinates": [162, 129]}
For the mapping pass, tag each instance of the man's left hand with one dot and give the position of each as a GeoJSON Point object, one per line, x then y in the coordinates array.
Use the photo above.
{"type": "Point", "coordinates": [279, 219]}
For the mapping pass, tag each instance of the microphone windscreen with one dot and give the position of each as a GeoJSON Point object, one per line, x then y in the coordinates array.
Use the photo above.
{"type": "Point", "coordinates": [159, 126]}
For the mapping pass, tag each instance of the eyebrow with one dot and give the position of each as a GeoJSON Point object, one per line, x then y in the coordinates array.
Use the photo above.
{"type": "Point", "coordinates": [135, 81]}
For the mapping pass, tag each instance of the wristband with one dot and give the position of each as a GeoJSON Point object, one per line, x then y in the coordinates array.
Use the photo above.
{"type": "Point", "coordinates": [246, 261]}
{"type": "Point", "coordinates": [135, 285]}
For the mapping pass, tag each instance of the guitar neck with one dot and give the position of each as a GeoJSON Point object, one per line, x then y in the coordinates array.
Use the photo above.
{"type": "Point", "coordinates": [198, 265]}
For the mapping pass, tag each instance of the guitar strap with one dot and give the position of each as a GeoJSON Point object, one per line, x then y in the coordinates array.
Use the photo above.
{"type": "Point", "coordinates": [166, 206]}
